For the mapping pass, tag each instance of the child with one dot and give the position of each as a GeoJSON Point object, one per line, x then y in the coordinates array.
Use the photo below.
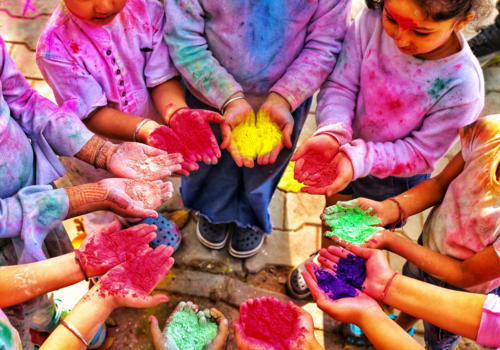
{"type": "Point", "coordinates": [459, 245]}
{"type": "Point", "coordinates": [110, 56]}
{"type": "Point", "coordinates": [406, 81]}
{"type": "Point", "coordinates": [240, 58]}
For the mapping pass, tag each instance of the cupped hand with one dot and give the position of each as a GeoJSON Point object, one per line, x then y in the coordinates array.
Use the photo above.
{"type": "Point", "coordinates": [370, 207]}
{"type": "Point", "coordinates": [240, 114]}
{"type": "Point", "coordinates": [325, 145]}
{"type": "Point", "coordinates": [141, 162]}
{"type": "Point", "coordinates": [135, 198]}
{"type": "Point", "coordinates": [303, 330]}
{"type": "Point", "coordinates": [274, 117]}
{"type": "Point", "coordinates": [129, 284]}
{"type": "Point", "coordinates": [191, 125]}
{"type": "Point", "coordinates": [344, 173]}
{"type": "Point", "coordinates": [108, 247]}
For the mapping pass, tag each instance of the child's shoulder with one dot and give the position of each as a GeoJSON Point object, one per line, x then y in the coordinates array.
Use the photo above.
{"type": "Point", "coordinates": [480, 132]}
{"type": "Point", "coordinates": [56, 25]}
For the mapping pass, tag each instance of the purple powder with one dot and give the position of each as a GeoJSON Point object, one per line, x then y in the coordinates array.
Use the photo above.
{"type": "Point", "coordinates": [351, 274]}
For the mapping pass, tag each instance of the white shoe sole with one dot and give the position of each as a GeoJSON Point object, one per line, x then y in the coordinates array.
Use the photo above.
{"type": "Point", "coordinates": [243, 255]}
{"type": "Point", "coordinates": [208, 244]}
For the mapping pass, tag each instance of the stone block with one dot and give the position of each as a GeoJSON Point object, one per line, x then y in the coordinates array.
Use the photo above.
{"type": "Point", "coordinates": [9, 47]}
{"type": "Point", "coordinates": [308, 129]}
{"type": "Point", "coordinates": [22, 30]}
{"type": "Point", "coordinates": [491, 79]}
{"type": "Point", "coordinates": [30, 8]}
{"type": "Point", "coordinates": [491, 104]}
{"type": "Point", "coordinates": [277, 209]}
{"type": "Point", "coordinates": [303, 208]}
{"type": "Point", "coordinates": [193, 254]}
{"type": "Point", "coordinates": [396, 262]}
{"type": "Point", "coordinates": [44, 89]}
{"type": "Point", "coordinates": [196, 283]}
{"type": "Point", "coordinates": [314, 104]}
{"type": "Point", "coordinates": [440, 166]}
{"type": "Point", "coordinates": [286, 249]}
{"type": "Point", "coordinates": [322, 321]}
{"type": "Point", "coordinates": [25, 61]}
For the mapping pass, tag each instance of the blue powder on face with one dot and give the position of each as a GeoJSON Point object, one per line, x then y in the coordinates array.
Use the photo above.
{"type": "Point", "coordinates": [351, 274]}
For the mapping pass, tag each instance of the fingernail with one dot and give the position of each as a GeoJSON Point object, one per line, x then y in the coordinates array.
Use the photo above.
{"type": "Point", "coordinates": [224, 321]}
{"type": "Point", "coordinates": [214, 315]}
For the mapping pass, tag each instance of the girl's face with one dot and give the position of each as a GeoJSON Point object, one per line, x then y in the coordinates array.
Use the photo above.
{"type": "Point", "coordinates": [96, 12]}
{"type": "Point", "coordinates": [417, 35]}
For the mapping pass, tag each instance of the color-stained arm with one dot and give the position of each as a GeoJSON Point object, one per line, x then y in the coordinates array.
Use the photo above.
{"type": "Point", "coordinates": [325, 33]}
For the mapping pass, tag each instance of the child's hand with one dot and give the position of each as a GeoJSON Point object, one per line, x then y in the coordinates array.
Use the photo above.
{"type": "Point", "coordinates": [348, 310]}
{"type": "Point", "coordinates": [105, 248]}
{"type": "Point", "coordinates": [381, 240]}
{"type": "Point", "coordinates": [386, 211]}
{"type": "Point", "coordinates": [277, 109]}
{"type": "Point", "coordinates": [236, 113]}
{"type": "Point", "coordinates": [325, 145]}
{"type": "Point", "coordinates": [137, 161]}
{"type": "Point", "coordinates": [191, 125]}
{"type": "Point", "coordinates": [130, 283]}
{"type": "Point", "coordinates": [344, 174]}
{"type": "Point", "coordinates": [378, 271]}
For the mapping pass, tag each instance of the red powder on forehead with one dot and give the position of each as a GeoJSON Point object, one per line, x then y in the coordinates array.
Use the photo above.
{"type": "Point", "coordinates": [193, 130]}
{"type": "Point", "coordinates": [165, 139]}
{"type": "Point", "coordinates": [271, 322]}
{"type": "Point", "coordinates": [317, 164]}
{"type": "Point", "coordinates": [404, 22]}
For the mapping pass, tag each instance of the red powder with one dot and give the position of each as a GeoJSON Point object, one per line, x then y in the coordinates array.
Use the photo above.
{"type": "Point", "coordinates": [404, 22]}
{"type": "Point", "coordinates": [75, 47]}
{"type": "Point", "coordinates": [191, 127]}
{"type": "Point", "coordinates": [271, 322]}
{"type": "Point", "coordinates": [317, 164]}
{"type": "Point", "coordinates": [165, 139]}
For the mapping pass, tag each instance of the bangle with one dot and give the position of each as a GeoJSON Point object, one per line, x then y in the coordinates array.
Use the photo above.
{"type": "Point", "coordinates": [403, 215]}
{"type": "Point", "coordinates": [75, 332]}
{"type": "Point", "coordinates": [381, 300]}
{"type": "Point", "coordinates": [77, 258]}
{"type": "Point", "coordinates": [223, 109]}
{"type": "Point", "coordinates": [139, 126]}
{"type": "Point", "coordinates": [97, 155]}
{"type": "Point", "coordinates": [173, 114]}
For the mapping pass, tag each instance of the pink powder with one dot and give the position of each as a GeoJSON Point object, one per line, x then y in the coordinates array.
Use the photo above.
{"type": "Point", "coordinates": [191, 127]}
{"type": "Point", "coordinates": [317, 164]}
{"type": "Point", "coordinates": [272, 322]}
{"type": "Point", "coordinates": [165, 139]}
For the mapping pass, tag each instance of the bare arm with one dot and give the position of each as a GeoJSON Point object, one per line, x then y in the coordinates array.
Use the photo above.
{"type": "Point", "coordinates": [168, 98]}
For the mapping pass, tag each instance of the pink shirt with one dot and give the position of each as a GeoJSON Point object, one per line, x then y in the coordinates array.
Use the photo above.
{"type": "Point", "coordinates": [113, 65]}
{"type": "Point", "coordinates": [468, 219]}
{"type": "Point", "coordinates": [489, 330]}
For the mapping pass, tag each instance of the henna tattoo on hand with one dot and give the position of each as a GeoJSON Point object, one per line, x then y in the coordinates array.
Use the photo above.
{"type": "Point", "coordinates": [89, 151]}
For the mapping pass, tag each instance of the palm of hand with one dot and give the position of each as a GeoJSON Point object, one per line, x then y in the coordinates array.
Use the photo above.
{"type": "Point", "coordinates": [323, 145]}
{"type": "Point", "coordinates": [301, 334]}
{"type": "Point", "coordinates": [348, 310]}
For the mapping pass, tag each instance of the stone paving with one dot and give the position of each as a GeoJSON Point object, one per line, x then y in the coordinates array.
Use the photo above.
{"type": "Point", "coordinates": [208, 277]}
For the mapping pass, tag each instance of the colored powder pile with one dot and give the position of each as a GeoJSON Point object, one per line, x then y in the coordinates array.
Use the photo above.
{"type": "Point", "coordinates": [165, 139]}
{"type": "Point", "coordinates": [349, 278]}
{"type": "Point", "coordinates": [272, 322]}
{"type": "Point", "coordinates": [317, 164]}
{"type": "Point", "coordinates": [287, 182]}
{"type": "Point", "coordinates": [187, 333]}
{"type": "Point", "coordinates": [191, 127]}
{"type": "Point", "coordinates": [352, 224]}
{"type": "Point", "coordinates": [254, 139]}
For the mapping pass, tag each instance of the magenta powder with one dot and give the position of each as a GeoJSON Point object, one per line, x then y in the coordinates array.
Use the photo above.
{"type": "Point", "coordinates": [349, 278]}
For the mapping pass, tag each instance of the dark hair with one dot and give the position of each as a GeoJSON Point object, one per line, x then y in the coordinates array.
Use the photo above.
{"type": "Point", "coordinates": [443, 10]}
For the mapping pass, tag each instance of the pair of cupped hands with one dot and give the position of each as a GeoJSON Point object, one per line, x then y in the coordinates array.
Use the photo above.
{"type": "Point", "coordinates": [190, 133]}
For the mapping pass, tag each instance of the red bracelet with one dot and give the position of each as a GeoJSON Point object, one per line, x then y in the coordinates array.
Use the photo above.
{"type": "Point", "coordinates": [403, 215]}
{"type": "Point", "coordinates": [381, 300]}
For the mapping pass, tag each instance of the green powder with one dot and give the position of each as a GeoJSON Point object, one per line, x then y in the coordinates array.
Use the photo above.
{"type": "Point", "coordinates": [351, 223]}
{"type": "Point", "coordinates": [186, 332]}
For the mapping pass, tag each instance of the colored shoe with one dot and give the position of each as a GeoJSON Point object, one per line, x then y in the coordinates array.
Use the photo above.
{"type": "Point", "coordinates": [245, 242]}
{"type": "Point", "coordinates": [213, 236]}
{"type": "Point", "coordinates": [486, 45]}
{"type": "Point", "coordinates": [296, 285]}
{"type": "Point", "coordinates": [355, 335]}
{"type": "Point", "coordinates": [167, 233]}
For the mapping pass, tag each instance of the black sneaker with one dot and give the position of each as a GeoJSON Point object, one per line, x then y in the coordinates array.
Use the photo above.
{"type": "Point", "coordinates": [213, 236]}
{"type": "Point", "coordinates": [245, 242]}
{"type": "Point", "coordinates": [486, 45]}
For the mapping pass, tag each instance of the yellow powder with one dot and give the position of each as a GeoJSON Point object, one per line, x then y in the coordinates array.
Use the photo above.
{"type": "Point", "coordinates": [287, 182]}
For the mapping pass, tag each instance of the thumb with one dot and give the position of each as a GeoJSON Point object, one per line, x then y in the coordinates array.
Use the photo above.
{"type": "Point", "coordinates": [154, 328]}
{"type": "Point", "coordinates": [296, 311]}
{"type": "Point", "coordinates": [214, 117]}
{"type": "Point", "coordinates": [239, 334]}
{"type": "Point", "coordinates": [287, 135]}
{"type": "Point", "coordinates": [302, 151]}
{"type": "Point", "coordinates": [221, 337]}
{"type": "Point", "coordinates": [362, 252]}
{"type": "Point", "coordinates": [226, 135]}
{"type": "Point", "coordinates": [111, 228]}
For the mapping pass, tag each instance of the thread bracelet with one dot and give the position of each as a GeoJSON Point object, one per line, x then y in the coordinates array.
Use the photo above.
{"type": "Point", "coordinates": [382, 297]}
{"type": "Point", "coordinates": [403, 215]}
{"type": "Point", "coordinates": [77, 258]}
{"type": "Point", "coordinates": [75, 332]}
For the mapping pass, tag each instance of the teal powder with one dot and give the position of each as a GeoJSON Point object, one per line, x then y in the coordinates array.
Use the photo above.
{"type": "Point", "coordinates": [186, 332]}
{"type": "Point", "coordinates": [353, 225]}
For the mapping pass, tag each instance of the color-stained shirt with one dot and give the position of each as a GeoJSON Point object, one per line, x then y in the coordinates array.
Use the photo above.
{"type": "Point", "coordinates": [113, 65]}
{"type": "Point", "coordinates": [394, 114]}
{"type": "Point", "coordinates": [9, 338]}
{"type": "Point", "coordinates": [283, 46]}
{"type": "Point", "coordinates": [489, 329]}
{"type": "Point", "coordinates": [33, 131]}
{"type": "Point", "coordinates": [468, 219]}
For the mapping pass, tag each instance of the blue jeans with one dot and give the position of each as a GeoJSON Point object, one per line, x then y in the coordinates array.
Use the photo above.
{"type": "Point", "coordinates": [436, 338]}
{"type": "Point", "coordinates": [226, 193]}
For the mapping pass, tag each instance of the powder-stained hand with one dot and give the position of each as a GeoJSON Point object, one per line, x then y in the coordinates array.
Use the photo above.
{"type": "Point", "coordinates": [105, 248]}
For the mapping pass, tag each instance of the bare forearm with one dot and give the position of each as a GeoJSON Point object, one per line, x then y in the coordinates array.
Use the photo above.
{"type": "Point", "coordinates": [110, 123]}
{"type": "Point", "coordinates": [37, 279]}
{"type": "Point", "coordinates": [457, 312]}
{"type": "Point", "coordinates": [168, 98]}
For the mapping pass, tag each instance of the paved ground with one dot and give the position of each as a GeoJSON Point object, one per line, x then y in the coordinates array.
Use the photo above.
{"type": "Point", "coordinates": [213, 278]}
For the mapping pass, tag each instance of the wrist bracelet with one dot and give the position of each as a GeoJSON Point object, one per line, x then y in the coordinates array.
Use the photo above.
{"type": "Point", "coordinates": [173, 115]}
{"type": "Point", "coordinates": [77, 258]}
{"type": "Point", "coordinates": [97, 156]}
{"type": "Point", "coordinates": [403, 215]}
{"type": "Point", "coordinates": [223, 109]}
{"type": "Point", "coordinates": [75, 332]}
{"type": "Point", "coordinates": [381, 300]}
{"type": "Point", "coordinates": [141, 124]}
